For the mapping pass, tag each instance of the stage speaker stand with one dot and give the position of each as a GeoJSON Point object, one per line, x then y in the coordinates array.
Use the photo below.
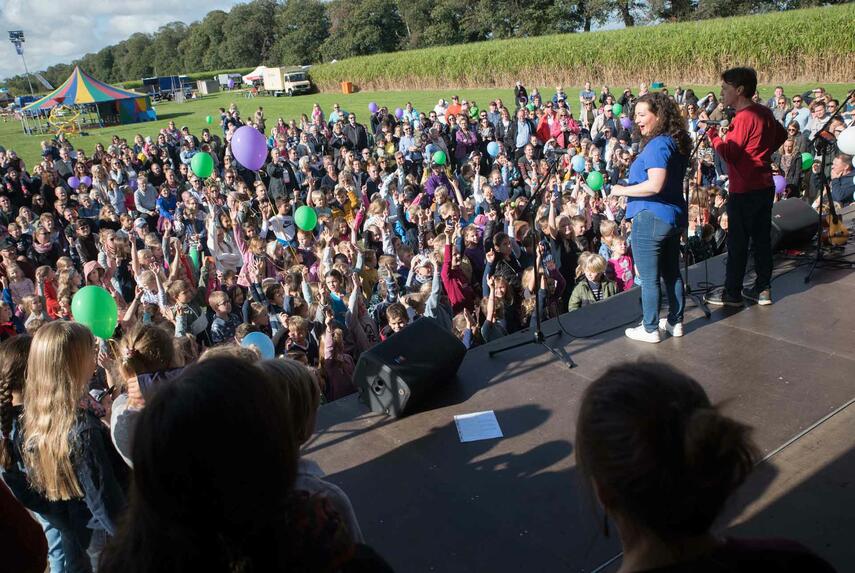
{"type": "Point", "coordinates": [395, 376]}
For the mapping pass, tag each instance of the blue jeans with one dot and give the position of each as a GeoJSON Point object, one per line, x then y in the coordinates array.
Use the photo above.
{"type": "Point", "coordinates": [56, 555]}
{"type": "Point", "coordinates": [656, 252]}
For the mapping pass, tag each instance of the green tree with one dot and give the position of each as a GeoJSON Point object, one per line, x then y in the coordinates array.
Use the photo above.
{"type": "Point", "coordinates": [164, 49]}
{"type": "Point", "coordinates": [301, 28]}
{"type": "Point", "coordinates": [416, 15]}
{"type": "Point", "coordinates": [248, 34]}
{"type": "Point", "coordinates": [454, 22]}
{"type": "Point", "coordinates": [131, 61]}
{"type": "Point", "coordinates": [360, 27]}
{"type": "Point", "coordinates": [523, 18]}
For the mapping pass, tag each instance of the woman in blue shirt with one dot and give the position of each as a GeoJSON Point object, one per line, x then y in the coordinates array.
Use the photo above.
{"type": "Point", "coordinates": [658, 212]}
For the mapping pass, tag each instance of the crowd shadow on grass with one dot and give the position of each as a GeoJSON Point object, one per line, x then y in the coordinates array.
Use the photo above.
{"type": "Point", "coordinates": [173, 115]}
{"type": "Point", "coordinates": [436, 504]}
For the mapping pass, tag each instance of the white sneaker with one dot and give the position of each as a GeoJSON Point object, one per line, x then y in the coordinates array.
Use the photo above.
{"type": "Point", "coordinates": [676, 330]}
{"type": "Point", "coordinates": [638, 333]}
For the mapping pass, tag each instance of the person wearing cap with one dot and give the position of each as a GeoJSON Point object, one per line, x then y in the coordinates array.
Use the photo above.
{"type": "Point", "coordinates": [604, 120]}
{"type": "Point", "coordinates": [454, 108]}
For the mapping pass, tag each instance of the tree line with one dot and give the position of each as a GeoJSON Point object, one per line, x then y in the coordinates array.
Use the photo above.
{"type": "Point", "coordinates": [294, 32]}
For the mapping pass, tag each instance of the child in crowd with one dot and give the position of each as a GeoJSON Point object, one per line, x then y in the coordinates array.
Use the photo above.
{"type": "Point", "coordinates": [593, 285]}
{"type": "Point", "coordinates": [304, 397]}
{"type": "Point", "coordinates": [224, 322]}
{"type": "Point", "coordinates": [620, 264]}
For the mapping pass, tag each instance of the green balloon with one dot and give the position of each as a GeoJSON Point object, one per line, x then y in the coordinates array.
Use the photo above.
{"type": "Point", "coordinates": [306, 218]}
{"type": "Point", "coordinates": [95, 308]}
{"type": "Point", "coordinates": [209, 120]}
{"type": "Point", "coordinates": [807, 161]}
{"type": "Point", "coordinates": [202, 164]}
{"type": "Point", "coordinates": [595, 180]}
{"type": "Point", "coordinates": [617, 109]}
{"type": "Point", "coordinates": [194, 257]}
{"type": "Point", "coordinates": [439, 157]}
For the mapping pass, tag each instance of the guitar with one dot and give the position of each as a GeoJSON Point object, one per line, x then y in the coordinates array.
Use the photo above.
{"type": "Point", "coordinates": [834, 232]}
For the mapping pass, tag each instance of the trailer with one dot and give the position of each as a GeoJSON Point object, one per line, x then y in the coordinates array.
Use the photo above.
{"type": "Point", "coordinates": [167, 87]}
{"type": "Point", "coordinates": [289, 80]}
{"type": "Point", "coordinates": [207, 87]}
{"type": "Point", "coordinates": [228, 81]}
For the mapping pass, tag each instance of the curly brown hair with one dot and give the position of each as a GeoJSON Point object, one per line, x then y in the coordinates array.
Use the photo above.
{"type": "Point", "coordinates": [13, 369]}
{"type": "Point", "coordinates": [670, 121]}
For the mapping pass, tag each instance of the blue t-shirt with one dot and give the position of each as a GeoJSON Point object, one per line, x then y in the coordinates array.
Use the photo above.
{"type": "Point", "coordinates": [669, 204]}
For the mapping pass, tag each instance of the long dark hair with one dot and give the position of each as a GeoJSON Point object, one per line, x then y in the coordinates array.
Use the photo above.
{"type": "Point", "coordinates": [670, 121]}
{"type": "Point", "coordinates": [215, 459]}
{"type": "Point", "coordinates": [14, 352]}
{"type": "Point", "coordinates": [659, 452]}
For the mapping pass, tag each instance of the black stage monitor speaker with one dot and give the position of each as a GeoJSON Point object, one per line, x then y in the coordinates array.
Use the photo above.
{"type": "Point", "coordinates": [794, 224]}
{"type": "Point", "coordinates": [396, 375]}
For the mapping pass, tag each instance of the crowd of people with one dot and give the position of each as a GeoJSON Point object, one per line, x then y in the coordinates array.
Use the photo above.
{"type": "Point", "coordinates": [443, 214]}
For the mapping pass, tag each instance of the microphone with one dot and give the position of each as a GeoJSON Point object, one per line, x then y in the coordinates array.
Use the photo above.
{"type": "Point", "coordinates": [557, 151]}
{"type": "Point", "coordinates": [719, 123]}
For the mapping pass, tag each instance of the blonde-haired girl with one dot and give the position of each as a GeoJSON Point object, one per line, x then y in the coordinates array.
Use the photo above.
{"type": "Point", "coordinates": [66, 448]}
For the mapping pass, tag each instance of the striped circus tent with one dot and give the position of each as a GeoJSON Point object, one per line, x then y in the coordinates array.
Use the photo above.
{"type": "Point", "coordinates": [113, 105]}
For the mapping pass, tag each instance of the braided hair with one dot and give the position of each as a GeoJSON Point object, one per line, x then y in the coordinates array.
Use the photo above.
{"type": "Point", "coordinates": [13, 369]}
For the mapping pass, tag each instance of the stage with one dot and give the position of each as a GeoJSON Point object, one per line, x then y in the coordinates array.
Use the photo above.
{"type": "Point", "coordinates": [428, 502]}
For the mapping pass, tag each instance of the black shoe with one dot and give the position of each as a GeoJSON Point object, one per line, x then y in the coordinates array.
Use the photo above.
{"type": "Point", "coordinates": [723, 298]}
{"type": "Point", "coordinates": [763, 297]}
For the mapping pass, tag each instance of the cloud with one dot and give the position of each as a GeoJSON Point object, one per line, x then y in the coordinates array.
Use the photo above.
{"type": "Point", "coordinates": [59, 31]}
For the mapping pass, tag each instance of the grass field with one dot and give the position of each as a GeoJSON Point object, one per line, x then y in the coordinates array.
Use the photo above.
{"type": "Point", "coordinates": [193, 113]}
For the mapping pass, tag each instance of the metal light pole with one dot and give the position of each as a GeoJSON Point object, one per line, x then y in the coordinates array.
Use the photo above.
{"type": "Point", "coordinates": [17, 38]}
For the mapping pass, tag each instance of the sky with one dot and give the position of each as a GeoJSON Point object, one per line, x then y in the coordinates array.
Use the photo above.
{"type": "Point", "coordinates": [59, 31]}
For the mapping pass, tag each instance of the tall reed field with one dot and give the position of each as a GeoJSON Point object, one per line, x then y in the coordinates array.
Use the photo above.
{"type": "Point", "coordinates": [815, 44]}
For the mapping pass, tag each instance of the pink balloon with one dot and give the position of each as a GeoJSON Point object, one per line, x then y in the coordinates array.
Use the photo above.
{"type": "Point", "coordinates": [249, 147]}
{"type": "Point", "coordinates": [780, 183]}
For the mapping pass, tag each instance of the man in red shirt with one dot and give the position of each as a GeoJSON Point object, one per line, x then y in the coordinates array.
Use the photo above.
{"type": "Point", "coordinates": [747, 148]}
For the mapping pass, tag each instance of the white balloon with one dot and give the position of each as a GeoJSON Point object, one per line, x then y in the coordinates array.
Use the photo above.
{"type": "Point", "coordinates": [846, 141]}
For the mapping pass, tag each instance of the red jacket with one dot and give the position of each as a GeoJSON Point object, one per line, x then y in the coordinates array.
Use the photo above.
{"type": "Point", "coordinates": [753, 136]}
{"type": "Point", "coordinates": [460, 293]}
{"type": "Point", "coordinates": [545, 132]}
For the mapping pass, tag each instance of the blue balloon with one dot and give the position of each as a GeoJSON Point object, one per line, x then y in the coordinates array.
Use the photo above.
{"type": "Point", "coordinates": [578, 163]}
{"type": "Point", "coordinates": [260, 341]}
{"type": "Point", "coordinates": [493, 149]}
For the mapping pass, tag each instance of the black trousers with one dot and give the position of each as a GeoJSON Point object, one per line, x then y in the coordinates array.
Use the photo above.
{"type": "Point", "coordinates": [749, 217]}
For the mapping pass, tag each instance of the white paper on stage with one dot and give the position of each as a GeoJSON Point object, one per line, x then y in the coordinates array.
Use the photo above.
{"type": "Point", "coordinates": [478, 426]}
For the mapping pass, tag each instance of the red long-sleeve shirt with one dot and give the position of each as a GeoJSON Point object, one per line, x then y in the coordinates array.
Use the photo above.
{"type": "Point", "coordinates": [753, 136]}
{"type": "Point", "coordinates": [460, 293]}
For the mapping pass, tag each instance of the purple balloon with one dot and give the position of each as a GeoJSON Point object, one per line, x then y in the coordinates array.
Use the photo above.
{"type": "Point", "coordinates": [399, 113]}
{"type": "Point", "coordinates": [249, 147]}
{"type": "Point", "coordinates": [780, 183]}
{"type": "Point", "coordinates": [626, 122]}
{"type": "Point", "coordinates": [86, 180]}
{"type": "Point", "coordinates": [372, 107]}
{"type": "Point", "coordinates": [132, 183]}
{"type": "Point", "coordinates": [73, 182]}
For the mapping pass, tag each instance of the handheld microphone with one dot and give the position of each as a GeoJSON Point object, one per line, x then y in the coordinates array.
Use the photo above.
{"type": "Point", "coordinates": [719, 123]}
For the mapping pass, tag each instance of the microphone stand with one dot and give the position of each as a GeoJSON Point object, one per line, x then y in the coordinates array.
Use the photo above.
{"type": "Point", "coordinates": [537, 334]}
{"type": "Point", "coordinates": [823, 147]}
{"type": "Point", "coordinates": [688, 291]}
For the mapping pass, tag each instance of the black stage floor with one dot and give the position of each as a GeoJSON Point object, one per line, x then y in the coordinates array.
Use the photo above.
{"type": "Point", "coordinates": [430, 503]}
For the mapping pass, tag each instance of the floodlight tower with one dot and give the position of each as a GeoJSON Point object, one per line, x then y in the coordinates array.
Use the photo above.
{"type": "Point", "coordinates": [17, 38]}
